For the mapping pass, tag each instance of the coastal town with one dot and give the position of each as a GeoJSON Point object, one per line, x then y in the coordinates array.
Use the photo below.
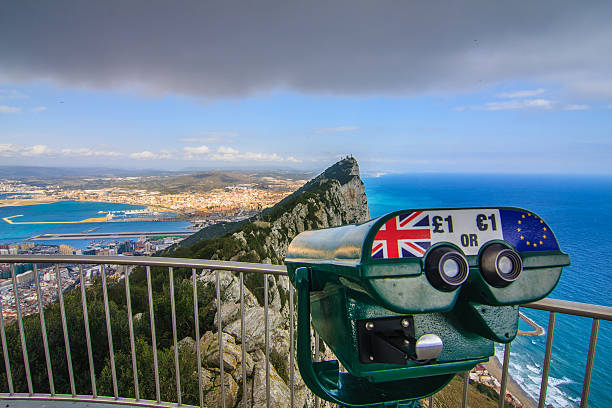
{"type": "Point", "coordinates": [203, 208]}
{"type": "Point", "coordinates": [228, 200]}
{"type": "Point", "coordinates": [25, 277]}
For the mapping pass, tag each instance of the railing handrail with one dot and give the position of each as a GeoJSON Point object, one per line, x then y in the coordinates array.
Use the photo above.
{"type": "Point", "coordinates": [551, 305]}
{"type": "Point", "coordinates": [147, 261]}
{"type": "Point", "coordinates": [572, 308]}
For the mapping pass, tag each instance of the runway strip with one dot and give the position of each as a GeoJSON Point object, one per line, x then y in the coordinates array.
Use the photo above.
{"type": "Point", "coordinates": [10, 221]}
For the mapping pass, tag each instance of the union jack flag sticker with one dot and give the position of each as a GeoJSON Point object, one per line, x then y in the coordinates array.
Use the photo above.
{"type": "Point", "coordinates": [404, 236]}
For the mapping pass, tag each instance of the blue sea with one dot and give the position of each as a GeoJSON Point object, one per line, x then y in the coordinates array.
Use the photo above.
{"type": "Point", "coordinates": [579, 211]}
{"type": "Point", "coordinates": [73, 211]}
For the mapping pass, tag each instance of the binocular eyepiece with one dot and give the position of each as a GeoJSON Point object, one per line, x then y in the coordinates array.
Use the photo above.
{"type": "Point", "coordinates": [447, 268]}
{"type": "Point", "coordinates": [408, 299]}
{"type": "Point", "coordinates": [500, 266]}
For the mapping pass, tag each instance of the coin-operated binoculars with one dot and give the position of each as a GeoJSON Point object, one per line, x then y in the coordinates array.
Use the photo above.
{"type": "Point", "coordinates": [409, 299]}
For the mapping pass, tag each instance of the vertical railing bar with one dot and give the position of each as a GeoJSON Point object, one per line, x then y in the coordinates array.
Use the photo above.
{"type": "Point", "coordinates": [584, 399]}
{"type": "Point", "coordinates": [220, 333]}
{"type": "Point", "coordinates": [316, 358]}
{"type": "Point", "coordinates": [431, 401]}
{"type": "Point", "coordinates": [466, 383]}
{"type": "Point", "coordinates": [43, 330]}
{"type": "Point", "coordinates": [267, 340]}
{"type": "Point", "coordinates": [504, 380]}
{"type": "Point", "coordinates": [291, 349]}
{"type": "Point", "coordinates": [128, 301]}
{"type": "Point", "coordinates": [153, 337]}
{"type": "Point", "coordinates": [109, 333]}
{"type": "Point", "coordinates": [7, 364]}
{"type": "Point", "coordinates": [60, 295]}
{"type": "Point", "coordinates": [176, 351]}
{"type": "Point", "coordinates": [92, 373]}
{"type": "Point", "coordinates": [24, 346]}
{"type": "Point", "coordinates": [547, 354]}
{"type": "Point", "coordinates": [245, 394]}
{"type": "Point", "coordinates": [196, 319]}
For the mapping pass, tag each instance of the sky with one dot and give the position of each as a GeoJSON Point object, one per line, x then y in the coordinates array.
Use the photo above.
{"type": "Point", "coordinates": [403, 86]}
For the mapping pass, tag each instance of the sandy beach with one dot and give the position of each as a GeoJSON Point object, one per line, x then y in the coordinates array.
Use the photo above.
{"type": "Point", "coordinates": [495, 368]}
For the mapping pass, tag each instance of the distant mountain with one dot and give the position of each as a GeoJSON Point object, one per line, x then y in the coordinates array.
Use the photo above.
{"type": "Point", "coordinates": [45, 173]}
{"type": "Point", "coordinates": [169, 182]}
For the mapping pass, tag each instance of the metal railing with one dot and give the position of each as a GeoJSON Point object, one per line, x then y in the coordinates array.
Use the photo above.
{"type": "Point", "coordinates": [553, 306]}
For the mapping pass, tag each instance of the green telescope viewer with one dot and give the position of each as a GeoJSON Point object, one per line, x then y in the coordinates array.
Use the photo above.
{"type": "Point", "coordinates": [407, 300]}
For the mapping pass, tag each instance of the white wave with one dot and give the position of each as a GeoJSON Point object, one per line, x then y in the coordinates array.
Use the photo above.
{"type": "Point", "coordinates": [527, 373]}
{"type": "Point", "coordinates": [533, 369]}
{"type": "Point", "coordinates": [556, 381]}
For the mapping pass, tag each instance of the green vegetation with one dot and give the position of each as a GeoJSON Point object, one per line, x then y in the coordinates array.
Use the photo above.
{"type": "Point", "coordinates": [120, 337]}
{"type": "Point", "coordinates": [479, 396]}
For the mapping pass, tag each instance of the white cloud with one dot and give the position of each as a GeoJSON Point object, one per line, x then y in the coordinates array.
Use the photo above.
{"type": "Point", "coordinates": [527, 93]}
{"type": "Point", "coordinates": [37, 150]}
{"type": "Point", "coordinates": [14, 150]}
{"type": "Point", "coordinates": [511, 105]}
{"type": "Point", "coordinates": [165, 154]}
{"type": "Point", "coordinates": [193, 152]}
{"type": "Point", "coordinates": [144, 155]}
{"type": "Point", "coordinates": [231, 155]}
{"type": "Point", "coordinates": [520, 104]}
{"type": "Point", "coordinates": [227, 150]}
{"type": "Point", "coordinates": [8, 149]}
{"type": "Point", "coordinates": [12, 94]}
{"type": "Point", "coordinates": [38, 109]}
{"type": "Point", "coordinates": [576, 107]}
{"type": "Point", "coordinates": [338, 129]}
{"type": "Point", "coordinates": [86, 152]}
{"type": "Point", "coordinates": [9, 109]}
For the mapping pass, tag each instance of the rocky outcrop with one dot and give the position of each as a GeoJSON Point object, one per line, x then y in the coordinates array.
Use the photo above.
{"type": "Point", "coordinates": [254, 388]}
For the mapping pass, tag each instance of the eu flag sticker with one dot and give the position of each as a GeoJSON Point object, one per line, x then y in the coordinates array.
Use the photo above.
{"type": "Point", "coordinates": [526, 231]}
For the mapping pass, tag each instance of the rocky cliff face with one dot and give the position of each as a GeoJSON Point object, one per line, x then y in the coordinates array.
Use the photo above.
{"type": "Point", "coordinates": [335, 197]}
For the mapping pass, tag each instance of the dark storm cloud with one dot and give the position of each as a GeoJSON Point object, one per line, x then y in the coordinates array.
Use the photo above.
{"type": "Point", "coordinates": [343, 47]}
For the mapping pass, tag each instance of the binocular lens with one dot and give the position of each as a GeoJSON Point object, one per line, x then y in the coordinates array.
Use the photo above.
{"type": "Point", "coordinates": [505, 265]}
{"type": "Point", "coordinates": [446, 268]}
{"type": "Point", "coordinates": [500, 266]}
{"type": "Point", "coordinates": [450, 268]}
